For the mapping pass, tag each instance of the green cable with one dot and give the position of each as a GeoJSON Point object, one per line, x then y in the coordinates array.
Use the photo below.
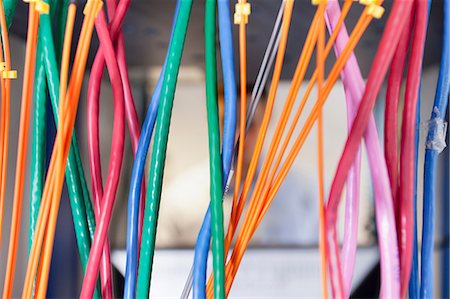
{"type": "Point", "coordinates": [38, 153]}
{"type": "Point", "coordinates": [74, 177]}
{"type": "Point", "coordinates": [10, 10]}
{"type": "Point", "coordinates": [215, 162]}
{"type": "Point", "coordinates": [159, 150]}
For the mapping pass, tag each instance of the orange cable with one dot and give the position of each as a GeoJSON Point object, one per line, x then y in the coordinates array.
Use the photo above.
{"type": "Point", "coordinates": [44, 266]}
{"type": "Point", "coordinates": [243, 114]}
{"type": "Point", "coordinates": [320, 162]}
{"type": "Point", "coordinates": [4, 128]}
{"type": "Point", "coordinates": [70, 109]}
{"type": "Point", "coordinates": [244, 238]}
{"type": "Point", "coordinates": [27, 89]}
{"type": "Point", "coordinates": [287, 14]}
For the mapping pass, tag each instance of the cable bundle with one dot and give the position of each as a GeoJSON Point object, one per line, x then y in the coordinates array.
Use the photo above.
{"type": "Point", "coordinates": [393, 173]}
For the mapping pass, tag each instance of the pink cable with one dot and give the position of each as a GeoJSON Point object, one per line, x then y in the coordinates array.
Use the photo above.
{"type": "Point", "coordinates": [116, 156]}
{"type": "Point", "coordinates": [349, 246]}
{"type": "Point", "coordinates": [407, 160]}
{"type": "Point", "coordinates": [395, 79]}
{"type": "Point", "coordinates": [364, 125]}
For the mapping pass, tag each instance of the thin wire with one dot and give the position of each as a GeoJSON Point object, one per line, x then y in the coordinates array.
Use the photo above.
{"type": "Point", "coordinates": [5, 110]}
{"type": "Point", "coordinates": [320, 163]}
{"type": "Point", "coordinates": [30, 58]}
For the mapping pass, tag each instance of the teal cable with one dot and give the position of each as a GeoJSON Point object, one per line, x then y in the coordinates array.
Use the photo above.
{"type": "Point", "coordinates": [10, 10]}
{"type": "Point", "coordinates": [159, 150]}
{"type": "Point", "coordinates": [73, 176]}
{"type": "Point", "coordinates": [215, 166]}
{"type": "Point", "coordinates": [59, 40]}
{"type": "Point", "coordinates": [37, 170]}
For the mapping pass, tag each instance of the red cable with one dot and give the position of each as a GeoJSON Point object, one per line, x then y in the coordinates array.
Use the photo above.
{"type": "Point", "coordinates": [407, 160]}
{"type": "Point", "coordinates": [115, 163]}
{"type": "Point", "coordinates": [381, 63]}
{"type": "Point", "coordinates": [395, 79]}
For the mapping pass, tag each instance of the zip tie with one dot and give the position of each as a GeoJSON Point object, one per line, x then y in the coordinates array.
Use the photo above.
{"type": "Point", "coordinates": [367, 2]}
{"type": "Point", "coordinates": [375, 10]}
{"type": "Point", "coordinates": [318, 2]}
{"type": "Point", "coordinates": [242, 11]}
{"type": "Point", "coordinates": [12, 74]}
{"type": "Point", "coordinates": [41, 6]}
{"type": "Point", "coordinates": [96, 6]}
{"type": "Point", "coordinates": [437, 130]}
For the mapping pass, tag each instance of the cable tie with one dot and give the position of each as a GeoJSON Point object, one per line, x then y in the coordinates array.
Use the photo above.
{"type": "Point", "coordinates": [40, 6]}
{"type": "Point", "coordinates": [11, 74]}
{"type": "Point", "coordinates": [375, 10]}
{"type": "Point", "coordinates": [437, 130]}
{"type": "Point", "coordinates": [96, 6]}
{"type": "Point", "coordinates": [367, 2]}
{"type": "Point", "coordinates": [318, 2]}
{"type": "Point", "coordinates": [242, 11]}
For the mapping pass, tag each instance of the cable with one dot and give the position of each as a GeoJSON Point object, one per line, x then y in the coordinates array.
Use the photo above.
{"type": "Point", "coordinates": [203, 239]}
{"type": "Point", "coordinates": [159, 150]}
{"type": "Point", "coordinates": [261, 135]}
{"type": "Point", "coordinates": [136, 177]}
{"type": "Point", "coordinates": [218, 254]}
{"type": "Point", "coordinates": [384, 55]}
{"type": "Point", "coordinates": [394, 85]}
{"type": "Point", "coordinates": [243, 239]}
{"type": "Point", "coordinates": [84, 223]}
{"type": "Point", "coordinates": [320, 66]}
{"type": "Point", "coordinates": [431, 161]}
{"type": "Point", "coordinates": [22, 147]}
{"type": "Point", "coordinates": [5, 110]}
{"type": "Point", "coordinates": [406, 191]}
{"type": "Point", "coordinates": [66, 129]}
{"type": "Point", "coordinates": [44, 266]}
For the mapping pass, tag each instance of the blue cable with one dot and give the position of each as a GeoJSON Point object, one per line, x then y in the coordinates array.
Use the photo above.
{"type": "Point", "coordinates": [431, 155]}
{"type": "Point", "coordinates": [227, 57]}
{"type": "Point", "coordinates": [136, 181]}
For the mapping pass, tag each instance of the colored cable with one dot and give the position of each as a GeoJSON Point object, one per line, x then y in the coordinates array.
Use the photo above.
{"type": "Point", "coordinates": [320, 48]}
{"type": "Point", "coordinates": [22, 147]}
{"type": "Point", "coordinates": [217, 231]}
{"type": "Point", "coordinates": [136, 177]}
{"type": "Point", "coordinates": [384, 56]}
{"type": "Point", "coordinates": [159, 150]}
{"type": "Point", "coordinates": [5, 111]}
{"type": "Point", "coordinates": [203, 239]}
{"type": "Point", "coordinates": [431, 161]}
{"type": "Point", "coordinates": [48, 210]}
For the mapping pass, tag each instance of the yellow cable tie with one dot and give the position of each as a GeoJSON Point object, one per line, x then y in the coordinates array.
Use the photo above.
{"type": "Point", "coordinates": [9, 74]}
{"type": "Point", "coordinates": [375, 11]}
{"type": "Point", "coordinates": [318, 2]}
{"type": "Point", "coordinates": [40, 6]}
{"type": "Point", "coordinates": [242, 11]}
{"type": "Point", "coordinates": [367, 2]}
{"type": "Point", "coordinates": [96, 6]}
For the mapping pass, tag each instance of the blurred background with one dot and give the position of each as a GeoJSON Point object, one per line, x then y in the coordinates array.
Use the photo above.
{"type": "Point", "coordinates": [284, 259]}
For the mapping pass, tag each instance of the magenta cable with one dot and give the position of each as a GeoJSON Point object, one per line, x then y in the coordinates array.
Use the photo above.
{"type": "Point", "coordinates": [364, 124]}
{"type": "Point", "coordinates": [116, 156]}
{"type": "Point", "coordinates": [407, 145]}
{"type": "Point", "coordinates": [394, 85]}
